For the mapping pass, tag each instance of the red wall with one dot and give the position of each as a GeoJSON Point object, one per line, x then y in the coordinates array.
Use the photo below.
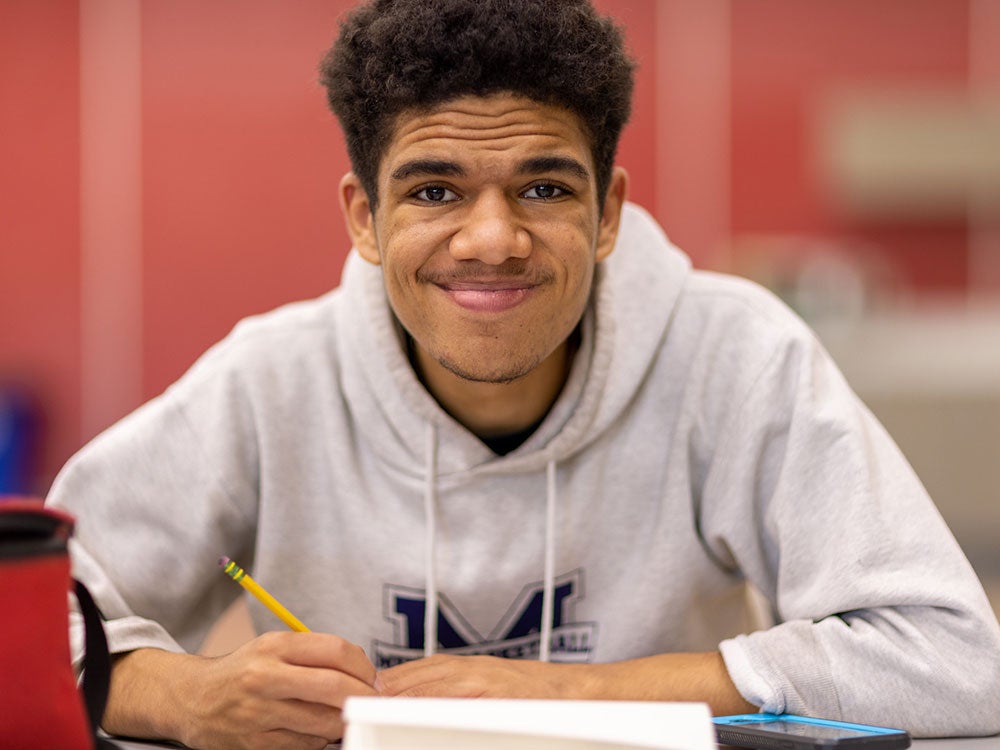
{"type": "Point", "coordinates": [788, 57]}
{"type": "Point", "coordinates": [240, 160]}
{"type": "Point", "coordinates": [39, 215]}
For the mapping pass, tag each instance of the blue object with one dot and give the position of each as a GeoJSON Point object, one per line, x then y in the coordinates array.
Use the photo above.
{"type": "Point", "coordinates": [762, 718]}
{"type": "Point", "coordinates": [19, 422]}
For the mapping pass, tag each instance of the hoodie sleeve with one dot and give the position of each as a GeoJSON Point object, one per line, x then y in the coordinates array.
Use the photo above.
{"type": "Point", "coordinates": [880, 618]}
{"type": "Point", "coordinates": [169, 489]}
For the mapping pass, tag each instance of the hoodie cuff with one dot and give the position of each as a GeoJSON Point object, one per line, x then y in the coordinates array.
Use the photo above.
{"type": "Point", "coordinates": [751, 684]}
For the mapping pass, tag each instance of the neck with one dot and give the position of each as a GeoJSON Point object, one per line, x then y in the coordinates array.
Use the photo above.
{"type": "Point", "coordinates": [491, 409]}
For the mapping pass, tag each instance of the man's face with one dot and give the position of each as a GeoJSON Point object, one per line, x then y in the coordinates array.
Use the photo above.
{"type": "Point", "coordinates": [487, 230]}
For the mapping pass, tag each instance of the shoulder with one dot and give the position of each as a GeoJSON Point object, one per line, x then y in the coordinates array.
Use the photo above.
{"type": "Point", "coordinates": [733, 345]}
{"type": "Point", "coordinates": [281, 346]}
{"type": "Point", "coordinates": [738, 317]}
{"type": "Point", "coordinates": [285, 331]}
{"type": "Point", "coordinates": [710, 295]}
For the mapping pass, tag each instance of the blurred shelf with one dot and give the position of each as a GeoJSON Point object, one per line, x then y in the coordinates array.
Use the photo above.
{"type": "Point", "coordinates": [938, 351]}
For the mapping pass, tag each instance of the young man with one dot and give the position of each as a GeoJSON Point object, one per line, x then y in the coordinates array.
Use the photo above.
{"type": "Point", "coordinates": [522, 427]}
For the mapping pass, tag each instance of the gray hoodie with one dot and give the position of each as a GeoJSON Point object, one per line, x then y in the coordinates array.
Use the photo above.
{"type": "Point", "coordinates": [704, 446]}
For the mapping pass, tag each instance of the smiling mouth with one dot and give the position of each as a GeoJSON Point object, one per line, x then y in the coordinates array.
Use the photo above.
{"type": "Point", "coordinates": [487, 297]}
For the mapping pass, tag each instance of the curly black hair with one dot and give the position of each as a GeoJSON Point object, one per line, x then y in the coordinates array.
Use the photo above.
{"type": "Point", "coordinates": [398, 56]}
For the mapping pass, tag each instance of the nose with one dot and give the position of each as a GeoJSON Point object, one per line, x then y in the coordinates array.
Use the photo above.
{"type": "Point", "coordinates": [491, 232]}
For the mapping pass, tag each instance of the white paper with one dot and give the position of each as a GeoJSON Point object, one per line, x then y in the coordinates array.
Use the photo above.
{"type": "Point", "coordinates": [487, 724]}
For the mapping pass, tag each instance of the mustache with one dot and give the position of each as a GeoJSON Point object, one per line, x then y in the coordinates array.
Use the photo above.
{"type": "Point", "coordinates": [512, 270]}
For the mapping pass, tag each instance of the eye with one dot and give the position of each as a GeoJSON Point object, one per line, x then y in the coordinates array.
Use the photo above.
{"type": "Point", "coordinates": [435, 194]}
{"type": "Point", "coordinates": [545, 192]}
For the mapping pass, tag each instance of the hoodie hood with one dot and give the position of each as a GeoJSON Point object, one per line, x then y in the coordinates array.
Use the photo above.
{"type": "Point", "coordinates": [635, 293]}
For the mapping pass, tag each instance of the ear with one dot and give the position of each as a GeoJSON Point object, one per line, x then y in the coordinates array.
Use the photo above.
{"type": "Point", "coordinates": [357, 212]}
{"type": "Point", "coordinates": [611, 216]}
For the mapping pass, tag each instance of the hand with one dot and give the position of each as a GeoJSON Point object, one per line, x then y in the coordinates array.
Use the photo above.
{"type": "Point", "coordinates": [280, 690]}
{"type": "Point", "coordinates": [444, 676]}
{"type": "Point", "coordinates": [663, 677]}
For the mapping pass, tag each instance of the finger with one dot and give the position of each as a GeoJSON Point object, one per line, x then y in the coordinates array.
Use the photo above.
{"type": "Point", "coordinates": [283, 739]}
{"type": "Point", "coordinates": [308, 719]}
{"type": "Point", "coordinates": [425, 678]}
{"type": "Point", "coordinates": [248, 722]}
{"type": "Point", "coordinates": [256, 713]}
{"type": "Point", "coordinates": [320, 650]}
{"type": "Point", "coordinates": [448, 686]}
{"type": "Point", "coordinates": [320, 685]}
{"type": "Point", "coordinates": [416, 665]}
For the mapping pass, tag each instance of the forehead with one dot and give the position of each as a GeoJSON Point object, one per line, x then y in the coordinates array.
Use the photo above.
{"type": "Point", "coordinates": [474, 127]}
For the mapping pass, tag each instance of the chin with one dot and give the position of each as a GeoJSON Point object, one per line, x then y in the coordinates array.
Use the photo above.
{"type": "Point", "coordinates": [502, 373]}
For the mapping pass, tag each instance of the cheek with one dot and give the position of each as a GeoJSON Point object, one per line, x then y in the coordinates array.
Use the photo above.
{"type": "Point", "coordinates": [578, 266]}
{"type": "Point", "coordinates": [579, 291]}
{"type": "Point", "coordinates": [409, 246]}
{"type": "Point", "coordinates": [402, 260]}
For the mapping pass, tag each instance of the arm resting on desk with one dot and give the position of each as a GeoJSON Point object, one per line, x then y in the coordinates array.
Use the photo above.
{"type": "Point", "coordinates": [679, 677]}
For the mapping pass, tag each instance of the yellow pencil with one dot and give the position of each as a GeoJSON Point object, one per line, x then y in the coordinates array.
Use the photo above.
{"type": "Point", "coordinates": [239, 575]}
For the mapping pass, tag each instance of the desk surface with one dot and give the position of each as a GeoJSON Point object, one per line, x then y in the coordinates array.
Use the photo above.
{"type": "Point", "coordinates": [974, 743]}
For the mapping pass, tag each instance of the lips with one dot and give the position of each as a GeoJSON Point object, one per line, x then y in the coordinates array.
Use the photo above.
{"type": "Point", "coordinates": [482, 288]}
{"type": "Point", "coordinates": [486, 296]}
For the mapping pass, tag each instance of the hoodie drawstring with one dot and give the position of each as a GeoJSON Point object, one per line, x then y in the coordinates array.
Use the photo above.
{"type": "Point", "coordinates": [430, 519]}
{"type": "Point", "coordinates": [430, 546]}
{"type": "Point", "coordinates": [548, 580]}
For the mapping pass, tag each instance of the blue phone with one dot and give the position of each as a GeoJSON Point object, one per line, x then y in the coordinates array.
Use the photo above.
{"type": "Point", "coordinates": [791, 732]}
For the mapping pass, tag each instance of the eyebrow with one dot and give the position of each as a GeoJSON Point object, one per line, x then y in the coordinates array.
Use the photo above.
{"type": "Point", "coordinates": [542, 164]}
{"type": "Point", "coordinates": [443, 168]}
{"type": "Point", "coordinates": [429, 167]}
